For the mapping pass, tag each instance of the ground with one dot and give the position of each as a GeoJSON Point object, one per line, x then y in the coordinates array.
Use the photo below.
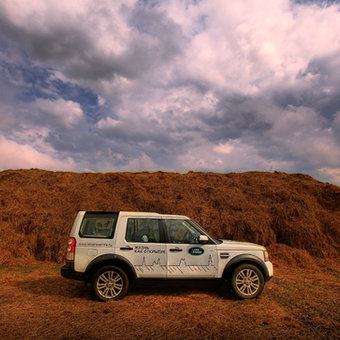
{"type": "Point", "coordinates": [299, 303]}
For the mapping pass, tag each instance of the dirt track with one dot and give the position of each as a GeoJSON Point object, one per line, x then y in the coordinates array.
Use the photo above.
{"type": "Point", "coordinates": [37, 303]}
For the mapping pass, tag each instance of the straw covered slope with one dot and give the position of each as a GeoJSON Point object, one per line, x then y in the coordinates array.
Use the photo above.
{"type": "Point", "coordinates": [295, 215]}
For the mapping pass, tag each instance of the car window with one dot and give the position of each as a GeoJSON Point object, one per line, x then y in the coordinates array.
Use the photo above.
{"type": "Point", "coordinates": [95, 225]}
{"type": "Point", "coordinates": [144, 230]}
{"type": "Point", "coordinates": [181, 231]}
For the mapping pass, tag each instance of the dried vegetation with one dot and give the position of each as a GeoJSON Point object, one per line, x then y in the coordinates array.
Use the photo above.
{"type": "Point", "coordinates": [294, 215]}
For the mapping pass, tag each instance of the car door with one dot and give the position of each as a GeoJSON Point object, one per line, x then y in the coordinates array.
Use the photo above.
{"type": "Point", "coordinates": [186, 256]}
{"type": "Point", "coordinates": [143, 246]}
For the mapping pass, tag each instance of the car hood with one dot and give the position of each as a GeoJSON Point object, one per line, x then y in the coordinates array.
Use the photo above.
{"type": "Point", "coordinates": [237, 245]}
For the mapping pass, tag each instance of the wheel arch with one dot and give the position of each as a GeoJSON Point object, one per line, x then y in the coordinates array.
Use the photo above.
{"type": "Point", "coordinates": [241, 259]}
{"type": "Point", "coordinates": [110, 260]}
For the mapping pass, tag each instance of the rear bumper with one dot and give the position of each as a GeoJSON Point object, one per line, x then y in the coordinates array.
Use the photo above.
{"type": "Point", "coordinates": [68, 272]}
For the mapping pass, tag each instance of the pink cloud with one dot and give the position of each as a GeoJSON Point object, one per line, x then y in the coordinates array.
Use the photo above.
{"type": "Point", "coordinates": [15, 156]}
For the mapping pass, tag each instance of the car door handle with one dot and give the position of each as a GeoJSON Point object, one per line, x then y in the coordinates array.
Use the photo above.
{"type": "Point", "coordinates": [126, 248]}
{"type": "Point", "coordinates": [176, 249]}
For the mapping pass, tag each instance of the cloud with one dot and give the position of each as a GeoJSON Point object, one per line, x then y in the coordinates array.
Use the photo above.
{"type": "Point", "coordinates": [234, 154]}
{"type": "Point", "coordinates": [173, 85]}
{"type": "Point", "coordinates": [65, 111]}
{"type": "Point", "coordinates": [15, 155]}
{"type": "Point", "coordinates": [93, 42]}
{"type": "Point", "coordinates": [332, 175]}
{"type": "Point", "coordinates": [225, 148]}
{"type": "Point", "coordinates": [305, 135]}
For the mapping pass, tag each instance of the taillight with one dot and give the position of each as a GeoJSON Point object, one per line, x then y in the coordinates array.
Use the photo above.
{"type": "Point", "coordinates": [265, 256]}
{"type": "Point", "coordinates": [71, 249]}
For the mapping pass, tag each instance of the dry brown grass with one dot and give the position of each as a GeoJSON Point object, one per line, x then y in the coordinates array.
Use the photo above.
{"type": "Point", "coordinates": [37, 208]}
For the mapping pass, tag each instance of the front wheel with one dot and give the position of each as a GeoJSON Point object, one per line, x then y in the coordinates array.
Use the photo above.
{"type": "Point", "coordinates": [110, 283]}
{"type": "Point", "coordinates": [247, 281]}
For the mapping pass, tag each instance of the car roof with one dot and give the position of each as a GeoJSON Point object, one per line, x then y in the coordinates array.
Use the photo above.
{"type": "Point", "coordinates": [150, 214]}
{"type": "Point", "coordinates": [140, 214]}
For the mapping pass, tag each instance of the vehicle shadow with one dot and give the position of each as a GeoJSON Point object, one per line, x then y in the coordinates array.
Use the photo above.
{"type": "Point", "coordinates": [58, 286]}
{"type": "Point", "coordinates": [182, 288]}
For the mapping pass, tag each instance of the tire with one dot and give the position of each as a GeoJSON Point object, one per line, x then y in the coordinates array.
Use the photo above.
{"type": "Point", "coordinates": [110, 283]}
{"type": "Point", "coordinates": [247, 281]}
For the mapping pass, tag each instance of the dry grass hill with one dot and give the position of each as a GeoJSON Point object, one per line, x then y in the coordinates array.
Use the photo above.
{"type": "Point", "coordinates": [297, 217]}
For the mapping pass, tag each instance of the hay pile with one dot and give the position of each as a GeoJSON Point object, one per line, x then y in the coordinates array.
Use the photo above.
{"type": "Point", "coordinates": [282, 211]}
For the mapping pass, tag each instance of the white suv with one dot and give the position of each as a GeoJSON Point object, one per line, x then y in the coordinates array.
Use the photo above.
{"type": "Point", "coordinates": [113, 249]}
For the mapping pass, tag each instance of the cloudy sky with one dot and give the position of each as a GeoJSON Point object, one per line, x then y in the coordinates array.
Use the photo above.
{"type": "Point", "coordinates": [216, 85]}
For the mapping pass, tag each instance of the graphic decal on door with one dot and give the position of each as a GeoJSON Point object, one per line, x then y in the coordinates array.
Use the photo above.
{"type": "Point", "coordinates": [179, 268]}
{"type": "Point", "coordinates": [156, 266]}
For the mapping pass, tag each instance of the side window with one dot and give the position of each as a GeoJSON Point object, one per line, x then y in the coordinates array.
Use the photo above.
{"type": "Point", "coordinates": [144, 230]}
{"type": "Point", "coordinates": [96, 225]}
{"type": "Point", "coordinates": [180, 231]}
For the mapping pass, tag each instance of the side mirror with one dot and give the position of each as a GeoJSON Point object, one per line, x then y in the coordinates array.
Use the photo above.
{"type": "Point", "coordinates": [203, 239]}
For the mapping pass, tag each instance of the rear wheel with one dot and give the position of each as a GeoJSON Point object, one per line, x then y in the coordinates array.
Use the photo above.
{"type": "Point", "coordinates": [110, 283]}
{"type": "Point", "coordinates": [247, 281]}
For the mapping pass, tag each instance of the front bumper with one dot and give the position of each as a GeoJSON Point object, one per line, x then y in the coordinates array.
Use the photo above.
{"type": "Point", "coordinates": [270, 270]}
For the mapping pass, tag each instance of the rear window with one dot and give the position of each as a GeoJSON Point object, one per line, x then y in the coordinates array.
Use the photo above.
{"type": "Point", "coordinates": [98, 225]}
